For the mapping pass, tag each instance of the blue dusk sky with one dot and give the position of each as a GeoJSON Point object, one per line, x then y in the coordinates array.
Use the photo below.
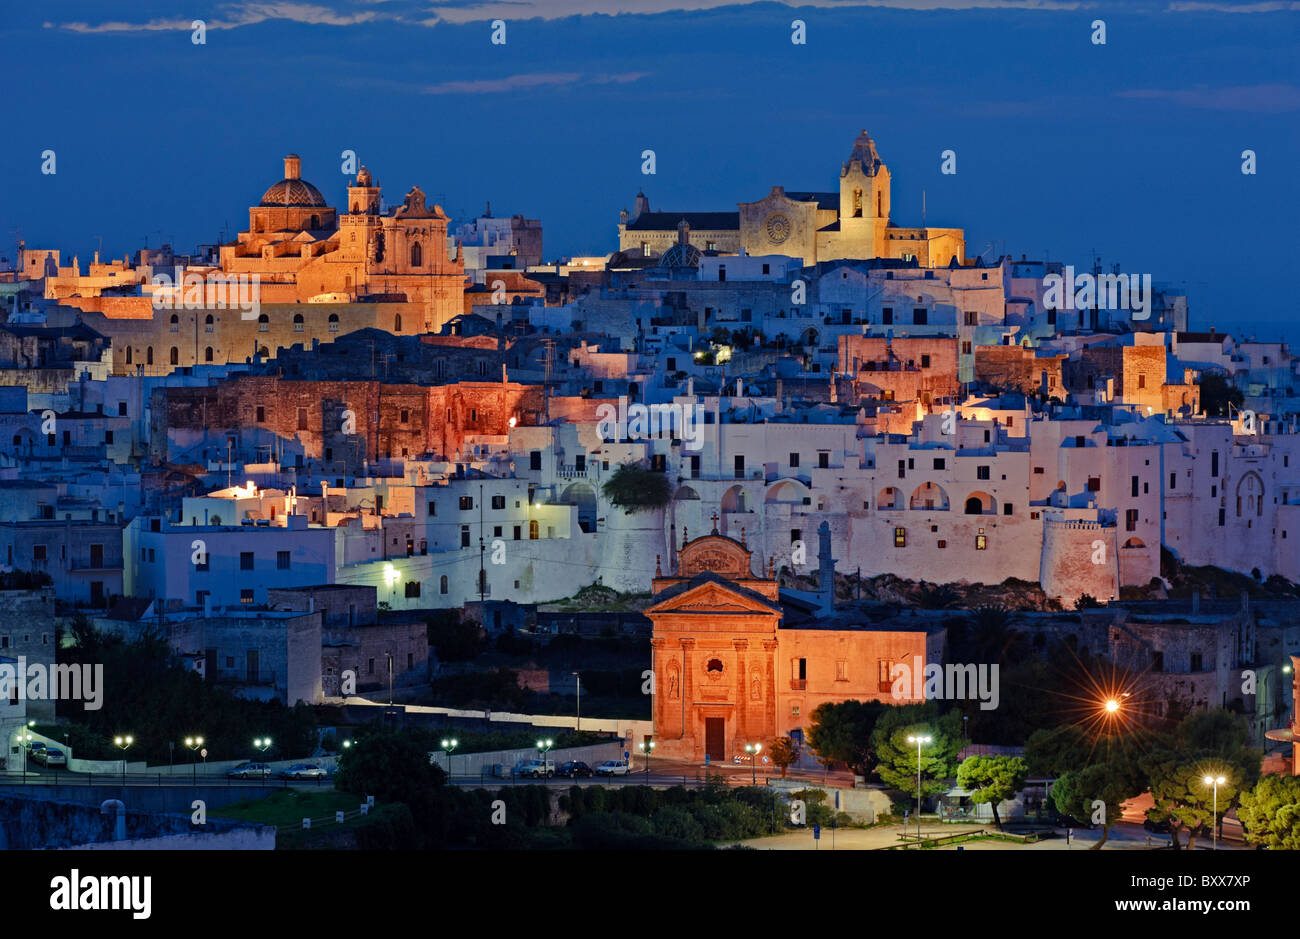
{"type": "Point", "coordinates": [1132, 149]}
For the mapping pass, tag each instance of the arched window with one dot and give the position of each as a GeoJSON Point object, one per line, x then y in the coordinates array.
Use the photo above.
{"type": "Point", "coordinates": [128, 355]}
{"type": "Point", "coordinates": [207, 354]}
{"type": "Point", "coordinates": [334, 322]}
{"type": "Point", "coordinates": [442, 584]}
{"type": "Point", "coordinates": [175, 356]}
{"type": "Point", "coordinates": [417, 254]}
{"type": "Point", "coordinates": [264, 352]}
{"type": "Point", "coordinates": [297, 323]}
{"type": "Point", "coordinates": [263, 323]}
{"type": "Point", "coordinates": [175, 323]}
{"type": "Point", "coordinates": [148, 356]}
{"type": "Point", "coordinates": [397, 322]}
{"type": "Point", "coordinates": [207, 323]}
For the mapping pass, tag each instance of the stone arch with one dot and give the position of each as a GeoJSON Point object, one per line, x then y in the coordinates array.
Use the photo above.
{"type": "Point", "coordinates": [789, 491]}
{"type": "Point", "coordinates": [584, 497]}
{"type": "Point", "coordinates": [889, 499]}
{"type": "Point", "coordinates": [417, 255]}
{"type": "Point", "coordinates": [981, 503]}
{"type": "Point", "coordinates": [929, 497]}
{"type": "Point", "coordinates": [207, 354]}
{"type": "Point", "coordinates": [1250, 495]}
{"type": "Point", "coordinates": [1135, 543]}
{"type": "Point", "coordinates": [736, 499]}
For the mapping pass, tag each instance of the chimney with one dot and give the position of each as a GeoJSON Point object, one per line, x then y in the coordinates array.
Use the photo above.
{"type": "Point", "coordinates": [293, 166]}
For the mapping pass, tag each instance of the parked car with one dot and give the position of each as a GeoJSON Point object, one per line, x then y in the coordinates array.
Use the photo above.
{"type": "Point", "coordinates": [36, 751]}
{"type": "Point", "coordinates": [574, 769]}
{"type": "Point", "coordinates": [303, 771]}
{"type": "Point", "coordinates": [612, 768]}
{"type": "Point", "coordinates": [250, 770]}
{"type": "Point", "coordinates": [54, 757]}
{"type": "Point", "coordinates": [537, 769]}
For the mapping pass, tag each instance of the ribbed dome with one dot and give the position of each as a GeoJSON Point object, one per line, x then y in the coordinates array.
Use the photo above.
{"type": "Point", "coordinates": [294, 192]}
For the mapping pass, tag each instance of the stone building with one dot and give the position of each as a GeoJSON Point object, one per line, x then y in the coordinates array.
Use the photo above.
{"type": "Point", "coordinates": [854, 221]}
{"type": "Point", "coordinates": [728, 673]}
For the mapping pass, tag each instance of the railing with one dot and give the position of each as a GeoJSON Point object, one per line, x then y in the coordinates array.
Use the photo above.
{"type": "Point", "coordinates": [798, 684]}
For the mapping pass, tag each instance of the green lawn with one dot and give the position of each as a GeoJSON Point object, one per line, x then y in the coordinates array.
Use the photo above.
{"type": "Point", "coordinates": [291, 806]}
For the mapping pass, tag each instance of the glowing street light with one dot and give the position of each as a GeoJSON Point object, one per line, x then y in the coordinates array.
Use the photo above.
{"type": "Point", "coordinates": [648, 749]}
{"type": "Point", "coordinates": [194, 743]}
{"type": "Point", "coordinates": [449, 746]}
{"type": "Point", "coordinates": [124, 744]}
{"type": "Point", "coordinates": [1216, 782]}
{"type": "Point", "coordinates": [544, 747]}
{"type": "Point", "coordinates": [262, 743]}
{"type": "Point", "coordinates": [919, 740]}
{"type": "Point", "coordinates": [753, 750]}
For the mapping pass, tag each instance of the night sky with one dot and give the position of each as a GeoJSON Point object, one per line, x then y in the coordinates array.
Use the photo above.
{"type": "Point", "coordinates": [1131, 149]}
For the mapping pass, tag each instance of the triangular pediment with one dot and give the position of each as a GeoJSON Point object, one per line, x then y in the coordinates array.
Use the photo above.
{"type": "Point", "coordinates": [711, 598]}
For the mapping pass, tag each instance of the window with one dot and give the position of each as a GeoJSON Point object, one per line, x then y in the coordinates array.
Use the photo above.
{"type": "Point", "coordinates": [535, 460]}
{"type": "Point", "coordinates": [245, 596]}
{"type": "Point", "coordinates": [417, 255]}
{"type": "Point", "coordinates": [246, 560]}
{"type": "Point", "coordinates": [841, 670]}
{"type": "Point", "coordinates": [1094, 484]}
{"type": "Point", "coordinates": [1197, 663]}
{"type": "Point", "coordinates": [940, 463]}
{"type": "Point", "coordinates": [334, 323]}
{"type": "Point", "coordinates": [796, 535]}
{"type": "Point", "coordinates": [466, 503]}
{"type": "Point", "coordinates": [39, 552]}
{"type": "Point", "coordinates": [884, 675]}
{"type": "Point", "coordinates": [739, 464]}
{"type": "Point", "coordinates": [900, 537]}
{"type": "Point", "coordinates": [442, 584]}
{"type": "Point", "coordinates": [794, 460]}
{"type": "Point", "coordinates": [972, 317]}
{"type": "Point", "coordinates": [1134, 485]}
{"type": "Point", "coordinates": [920, 316]}
{"type": "Point", "coordinates": [282, 560]}
{"type": "Point", "coordinates": [1130, 520]}
{"type": "Point", "coordinates": [207, 323]}
{"type": "Point", "coordinates": [823, 459]}
{"type": "Point", "coordinates": [981, 472]}
{"type": "Point", "coordinates": [925, 361]}
{"type": "Point", "coordinates": [518, 532]}
{"type": "Point", "coordinates": [261, 414]}
{"type": "Point", "coordinates": [297, 323]}
{"type": "Point", "coordinates": [532, 530]}
{"type": "Point", "coordinates": [966, 347]}
{"type": "Point", "coordinates": [1006, 508]}
{"type": "Point", "coordinates": [207, 354]}
{"type": "Point", "coordinates": [412, 588]}
{"type": "Point", "coordinates": [498, 502]}
{"type": "Point", "coordinates": [302, 418]}
{"type": "Point", "coordinates": [887, 316]}
{"type": "Point", "coordinates": [175, 356]}
{"type": "Point", "coordinates": [1142, 381]}
{"type": "Point", "coordinates": [1173, 480]}
{"type": "Point", "coordinates": [464, 536]}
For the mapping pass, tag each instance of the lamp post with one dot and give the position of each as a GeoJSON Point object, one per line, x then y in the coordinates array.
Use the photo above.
{"type": "Point", "coordinates": [449, 746]}
{"type": "Point", "coordinates": [919, 740]}
{"type": "Point", "coordinates": [648, 749]}
{"type": "Point", "coordinates": [123, 743]}
{"type": "Point", "coordinates": [577, 681]}
{"type": "Point", "coordinates": [194, 743]}
{"type": "Point", "coordinates": [23, 738]}
{"type": "Point", "coordinates": [263, 744]}
{"type": "Point", "coordinates": [1216, 782]}
{"type": "Point", "coordinates": [753, 750]}
{"type": "Point", "coordinates": [544, 747]}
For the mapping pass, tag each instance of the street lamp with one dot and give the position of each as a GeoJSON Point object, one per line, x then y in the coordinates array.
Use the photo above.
{"type": "Point", "coordinates": [919, 740]}
{"type": "Point", "coordinates": [23, 737]}
{"type": "Point", "coordinates": [194, 743]}
{"type": "Point", "coordinates": [753, 750]}
{"type": "Point", "coordinates": [449, 746]}
{"type": "Point", "coordinates": [648, 749]}
{"type": "Point", "coordinates": [577, 682]}
{"type": "Point", "coordinates": [123, 743]}
{"type": "Point", "coordinates": [262, 743]}
{"type": "Point", "coordinates": [543, 747]}
{"type": "Point", "coordinates": [1216, 782]}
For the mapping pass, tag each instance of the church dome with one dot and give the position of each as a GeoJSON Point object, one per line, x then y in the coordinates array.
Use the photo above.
{"type": "Point", "coordinates": [293, 190]}
{"type": "Point", "coordinates": [681, 255]}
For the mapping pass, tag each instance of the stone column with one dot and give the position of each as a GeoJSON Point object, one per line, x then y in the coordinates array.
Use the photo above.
{"type": "Point", "coordinates": [741, 729]}
{"type": "Point", "coordinates": [771, 721]}
{"type": "Point", "coordinates": [692, 745]}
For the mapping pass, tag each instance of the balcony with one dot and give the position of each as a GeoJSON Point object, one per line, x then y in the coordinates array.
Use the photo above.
{"type": "Point", "coordinates": [798, 684]}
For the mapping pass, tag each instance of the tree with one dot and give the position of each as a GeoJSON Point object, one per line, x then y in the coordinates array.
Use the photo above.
{"type": "Point", "coordinates": [1053, 753]}
{"type": "Point", "coordinates": [1206, 743]}
{"type": "Point", "coordinates": [841, 733]}
{"type": "Point", "coordinates": [1270, 813]}
{"type": "Point", "coordinates": [1099, 790]}
{"type": "Point", "coordinates": [783, 752]}
{"type": "Point", "coordinates": [1217, 393]}
{"type": "Point", "coordinates": [634, 488]}
{"type": "Point", "coordinates": [897, 757]}
{"type": "Point", "coordinates": [992, 780]}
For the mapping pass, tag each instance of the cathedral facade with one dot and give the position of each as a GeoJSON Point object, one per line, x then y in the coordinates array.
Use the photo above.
{"type": "Point", "coordinates": [852, 222]}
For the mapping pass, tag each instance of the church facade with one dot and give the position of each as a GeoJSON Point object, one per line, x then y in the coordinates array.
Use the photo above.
{"type": "Point", "coordinates": [728, 673]}
{"type": "Point", "coordinates": [852, 222]}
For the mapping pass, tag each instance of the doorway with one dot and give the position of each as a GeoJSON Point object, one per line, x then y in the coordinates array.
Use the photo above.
{"type": "Point", "coordinates": [715, 735]}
